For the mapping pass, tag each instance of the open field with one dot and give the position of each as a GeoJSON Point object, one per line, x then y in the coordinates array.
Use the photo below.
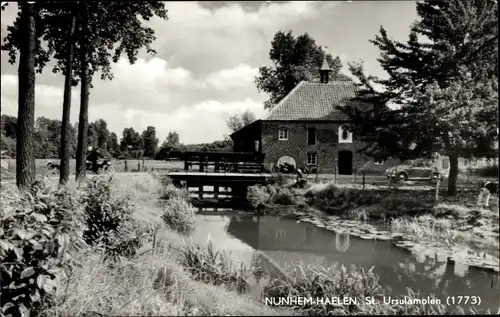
{"type": "Point", "coordinates": [465, 181]}
{"type": "Point", "coordinates": [119, 165]}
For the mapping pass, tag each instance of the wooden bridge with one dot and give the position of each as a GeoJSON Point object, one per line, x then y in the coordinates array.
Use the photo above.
{"type": "Point", "coordinates": [229, 173]}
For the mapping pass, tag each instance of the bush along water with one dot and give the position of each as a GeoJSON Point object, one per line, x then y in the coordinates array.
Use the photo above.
{"type": "Point", "coordinates": [40, 229]}
{"type": "Point", "coordinates": [376, 204]}
{"type": "Point", "coordinates": [260, 196]}
{"type": "Point", "coordinates": [109, 220]}
{"type": "Point", "coordinates": [214, 267]}
{"type": "Point", "coordinates": [178, 213]}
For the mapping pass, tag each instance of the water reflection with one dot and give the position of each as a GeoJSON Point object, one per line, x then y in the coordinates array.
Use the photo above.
{"type": "Point", "coordinates": [287, 242]}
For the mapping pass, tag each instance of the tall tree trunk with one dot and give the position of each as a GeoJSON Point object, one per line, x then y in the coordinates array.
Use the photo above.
{"type": "Point", "coordinates": [65, 126]}
{"type": "Point", "coordinates": [81, 150]}
{"type": "Point", "coordinates": [452, 177]}
{"type": "Point", "coordinates": [25, 161]}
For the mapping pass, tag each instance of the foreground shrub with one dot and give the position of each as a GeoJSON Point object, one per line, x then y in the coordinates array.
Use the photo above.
{"type": "Point", "coordinates": [39, 229]}
{"type": "Point", "coordinates": [109, 220]}
{"type": "Point", "coordinates": [179, 215]}
{"type": "Point", "coordinates": [214, 267]}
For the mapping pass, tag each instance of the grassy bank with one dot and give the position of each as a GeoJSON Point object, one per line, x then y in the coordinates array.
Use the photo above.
{"type": "Point", "coordinates": [118, 248]}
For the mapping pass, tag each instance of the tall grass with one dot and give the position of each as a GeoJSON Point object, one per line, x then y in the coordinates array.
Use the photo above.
{"type": "Point", "coordinates": [147, 285]}
{"type": "Point", "coordinates": [270, 195]}
{"type": "Point", "coordinates": [425, 228]}
{"type": "Point", "coordinates": [354, 284]}
{"type": "Point", "coordinates": [214, 267]}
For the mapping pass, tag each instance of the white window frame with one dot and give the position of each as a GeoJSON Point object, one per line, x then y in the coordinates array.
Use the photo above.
{"type": "Point", "coordinates": [349, 135]}
{"type": "Point", "coordinates": [312, 158]}
{"type": "Point", "coordinates": [379, 162]}
{"type": "Point", "coordinates": [283, 134]}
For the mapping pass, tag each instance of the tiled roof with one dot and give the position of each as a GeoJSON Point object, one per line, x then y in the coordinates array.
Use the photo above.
{"type": "Point", "coordinates": [314, 101]}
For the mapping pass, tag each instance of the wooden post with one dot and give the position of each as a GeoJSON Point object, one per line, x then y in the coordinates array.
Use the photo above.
{"type": "Point", "coordinates": [200, 191]}
{"type": "Point", "coordinates": [216, 191]}
{"type": "Point", "coordinates": [143, 165]}
{"type": "Point", "coordinates": [138, 166]}
{"type": "Point", "coordinates": [335, 179]}
{"type": "Point", "coordinates": [363, 180]}
{"type": "Point", "coordinates": [186, 166]}
{"type": "Point", "coordinates": [202, 166]}
{"type": "Point", "coordinates": [354, 177]}
{"type": "Point", "coordinates": [126, 165]}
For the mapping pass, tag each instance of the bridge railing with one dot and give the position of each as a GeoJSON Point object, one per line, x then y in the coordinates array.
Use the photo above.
{"type": "Point", "coordinates": [242, 162]}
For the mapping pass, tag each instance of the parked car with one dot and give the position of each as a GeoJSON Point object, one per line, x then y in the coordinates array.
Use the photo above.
{"type": "Point", "coordinates": [414, 170]}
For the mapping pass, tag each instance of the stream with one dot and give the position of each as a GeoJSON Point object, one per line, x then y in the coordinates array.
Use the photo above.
{"type": "Point", "coordinates": [287, 241]}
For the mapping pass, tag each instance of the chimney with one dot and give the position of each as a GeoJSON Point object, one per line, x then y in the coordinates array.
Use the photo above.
{"type": "Point", "coordinates": [325, 70]}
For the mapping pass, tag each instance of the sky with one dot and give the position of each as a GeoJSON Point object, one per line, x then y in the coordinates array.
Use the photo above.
{"type": "Point", "coordinates": [208, 54]}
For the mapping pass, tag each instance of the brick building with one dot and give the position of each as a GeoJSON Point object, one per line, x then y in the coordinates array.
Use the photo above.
{"type": "Point", "coordinates": [305, 127]}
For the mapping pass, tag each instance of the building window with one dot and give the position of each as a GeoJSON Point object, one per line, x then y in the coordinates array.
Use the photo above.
{"type": "Point", "coordinates": [280, 234]}
{"type": "Point", "coordinates": [311, 136]}
{"type": "Point", "coordinates": [344, 135]}
{"type": "Point", "coordinates": [311, 158]}
{"type": "Point", "coordinates": [283, 134]}
{"type": "Point", "coordinates": [379, 162]}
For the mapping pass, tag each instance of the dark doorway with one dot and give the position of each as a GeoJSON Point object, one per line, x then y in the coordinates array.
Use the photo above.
{"type": "Point", "coordinates": [345, 163]}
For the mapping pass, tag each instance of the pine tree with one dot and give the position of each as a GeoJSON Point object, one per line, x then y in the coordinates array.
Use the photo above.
{"type": "Point", "coordinates": [444, 82]}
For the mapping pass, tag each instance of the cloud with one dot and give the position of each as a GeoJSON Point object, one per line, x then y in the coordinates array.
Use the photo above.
{"type": "Point", "coordinates": [201, 122]}
{"type": "Point", "coordinates": [206, 63]}
{"type": "Point", "coordinates": [240, 76]}
{"type": "Point", "coordinates": [205, 40]}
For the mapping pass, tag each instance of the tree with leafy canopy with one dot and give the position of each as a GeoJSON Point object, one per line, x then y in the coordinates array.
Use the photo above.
{"type": "Point", "coordinates": [239, 121]}
{"type": "Point", "coordinates": [173, 138]}
{"type": "Point", "coordinates": [445, 87]}
{"type": "Point", "coordinates": [131, 142]}
{"type": "Point", "coordinates": [294, 58]}
{"type": "Point", "coordinates": [113, 145]}
{"type": "Point", "coordinates": [150, 142]}
{"type": "Point", "coordinates": [171, 144]}
{"type": "Point", "coordinates": [104, 31]}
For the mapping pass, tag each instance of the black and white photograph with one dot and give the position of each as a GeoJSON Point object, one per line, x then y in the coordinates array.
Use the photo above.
{"type": "Point", "coordinates": [249, 158]}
